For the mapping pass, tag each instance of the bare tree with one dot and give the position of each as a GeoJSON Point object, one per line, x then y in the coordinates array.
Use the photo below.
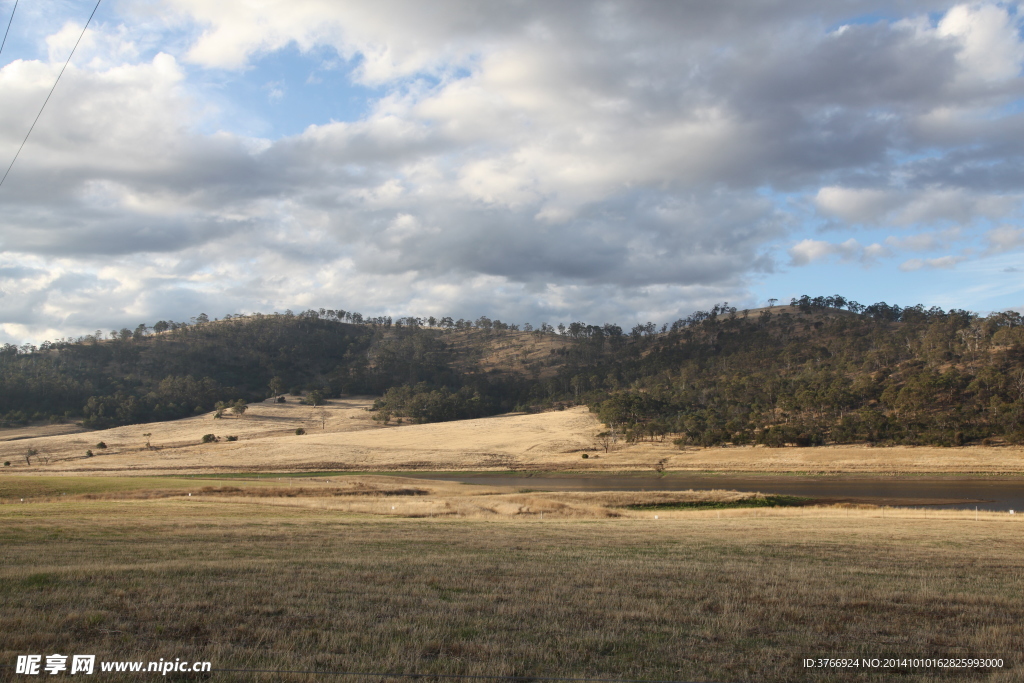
{"type": "Point", "coordinates": [320, 415]}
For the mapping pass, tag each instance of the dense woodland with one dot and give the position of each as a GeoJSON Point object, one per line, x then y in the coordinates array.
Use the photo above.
{"type": "Point", "coordinates": [821, 370]}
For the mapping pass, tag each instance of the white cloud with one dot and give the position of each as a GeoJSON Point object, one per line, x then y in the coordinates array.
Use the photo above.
{"type": "Point", "coordinates": [856, 205]}
{"type": "Point", "coordinates": [990, 41]}
{"type": "Point", "coordinates": [808, 251]}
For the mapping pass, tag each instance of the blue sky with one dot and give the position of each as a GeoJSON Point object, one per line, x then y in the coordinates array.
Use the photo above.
{"type": "Point", "coordinates": [284, 92]}
{"type": "Point", "coordinates": [530, 161]}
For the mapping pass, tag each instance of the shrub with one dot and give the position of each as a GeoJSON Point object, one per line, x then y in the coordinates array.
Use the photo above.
{"type": "Point", "coordinates": [210, 438]}
{"type": "Point", "coordinates": [300, 431]}
{"type": "Point", "coordinates": [88, 453]}
{"type": "Point", "coordinates": [232, 438]}
{"type": "Point", "coordinates": [586, 455]}
{"type": "Point", "coordinates": [101, 445]}
{"type": "Point", "coordinates": [281, 399]}
{"type": "Point", "coordinates": [7, 463]}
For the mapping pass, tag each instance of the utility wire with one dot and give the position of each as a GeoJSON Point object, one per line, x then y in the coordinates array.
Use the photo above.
{"type": "Point", "coordinates": [51, 89]}
{"type": "Point", "coordinates": [9, 21]}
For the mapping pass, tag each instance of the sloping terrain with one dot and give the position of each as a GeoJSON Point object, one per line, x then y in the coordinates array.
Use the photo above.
{"type": "Point", "coordinates": [342, 436]}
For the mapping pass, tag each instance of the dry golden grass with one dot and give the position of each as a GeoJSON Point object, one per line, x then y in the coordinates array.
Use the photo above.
{"type": "Point", "coordinates": [350, 440]}
{"type": "Point", "coordinates": [364, 494]}
{"type": "Point", "coordinates": [278, 583]}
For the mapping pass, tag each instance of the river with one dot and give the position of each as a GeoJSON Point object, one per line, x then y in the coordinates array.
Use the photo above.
{"type": "Point", "coordinates": [965, 492]}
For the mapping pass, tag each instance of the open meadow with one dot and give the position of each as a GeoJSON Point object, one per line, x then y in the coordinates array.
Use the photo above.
{"type": "Point", "coordinates": [383, 574]}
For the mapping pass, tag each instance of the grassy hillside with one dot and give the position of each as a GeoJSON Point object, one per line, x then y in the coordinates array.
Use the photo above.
{"type": "Point", "coordinates": [818, 371]}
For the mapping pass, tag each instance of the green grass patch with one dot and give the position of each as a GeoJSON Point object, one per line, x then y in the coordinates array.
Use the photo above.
{"type": "Point", "coordinates": [758, 502]}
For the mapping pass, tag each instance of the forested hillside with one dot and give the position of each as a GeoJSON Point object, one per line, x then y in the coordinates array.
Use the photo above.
{"type": "Point", "coordinates": [822, 370]}
{"type": "Point", "coordinates": [813, 374]}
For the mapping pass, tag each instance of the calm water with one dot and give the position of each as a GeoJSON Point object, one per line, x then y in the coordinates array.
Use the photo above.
{"type": "Point", "coordinates": [963, 492]}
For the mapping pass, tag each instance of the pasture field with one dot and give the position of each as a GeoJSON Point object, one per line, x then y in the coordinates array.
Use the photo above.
{"type": "Point", "coordinates": [342, 436]}
{"type": "Point", "coordinates": [306, 574]}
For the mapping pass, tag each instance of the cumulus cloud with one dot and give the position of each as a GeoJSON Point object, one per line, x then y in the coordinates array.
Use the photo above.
{"type": "Point", "coordinates": [584, 159]}
{"type": "Point", "coordinates": [988, 38]}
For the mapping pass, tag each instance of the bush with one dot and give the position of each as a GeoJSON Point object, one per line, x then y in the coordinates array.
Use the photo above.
{"type": "Point", "coordinates": [281, 399]}
{"type": "Point", "coordinates": [586, 455]}
{"type": "Point", "coordinates": [7, 463]}
{"type": "Point", "coordinates": [101, 445]}
{"type": "Point", "coordinates": [300, 431]}
{"type": "Point", "coordinates": [232, 438]}
{"type": "Point", "coordinates": [88, 453]}
{"type": "Point", "coordinates": [210, 438]}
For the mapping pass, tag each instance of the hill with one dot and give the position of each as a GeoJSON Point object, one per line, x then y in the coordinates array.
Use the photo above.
{"type": "Point", "coordinates": [819, 371]}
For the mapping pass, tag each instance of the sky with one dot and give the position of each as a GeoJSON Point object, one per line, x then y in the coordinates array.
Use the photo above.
{"type": "Point", "coordinates": [529, 161]}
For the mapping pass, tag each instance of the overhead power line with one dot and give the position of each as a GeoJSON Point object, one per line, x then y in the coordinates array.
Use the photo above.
{"type": "Point", "coordinates": [51, 89]}
{"type": "Point", "coordinates": [9, 21]}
